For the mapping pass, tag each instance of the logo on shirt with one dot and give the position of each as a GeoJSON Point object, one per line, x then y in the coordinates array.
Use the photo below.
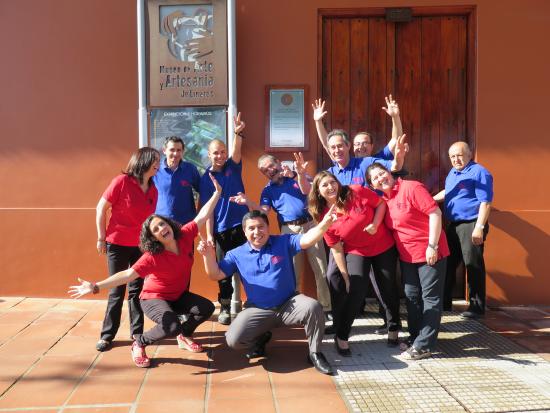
{"type": "Point", "coordinates": [357, 180]}
{"type": "Point", "coordinates": [358, 210]}
{"type": "Point", "coordinates": [295, 185]}
{"type": "Point", "coordinates": [461, 186]}
{"type": "Point", "coordinates": [228, 172]}
{"type": "Point", "coordinates": [183, 182]}
{"type": "Point", "coordinates": [277, 259]}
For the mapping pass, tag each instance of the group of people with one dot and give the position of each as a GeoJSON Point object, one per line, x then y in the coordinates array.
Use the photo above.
{"type": "Point", "coordinates": [369, 217]}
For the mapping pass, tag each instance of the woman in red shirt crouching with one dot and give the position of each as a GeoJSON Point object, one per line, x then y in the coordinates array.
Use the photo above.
{"type": "Point", "coordinates": [166, 267]}
{"type": "Point", "coordinates": [415, 220]}
{"type": "Point", "coordinates": [357, 240]}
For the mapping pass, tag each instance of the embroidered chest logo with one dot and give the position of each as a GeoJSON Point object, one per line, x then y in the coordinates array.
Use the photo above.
{"type": "Point", "coordinates": [295, 185]}
{"type": "Point", "coordinates": [357, 180]}
{"type": "Point", "coordinates": [401, 205]}
{"type": "Point", "coordinates": [183, 182]}
{"type": "Point", "coordinates": [228, 172]}
{"type": "Point", "coordinates": [462, 186]}
{"type": "Point", "coordinates": [358, 210]}
{"type": "Point", "coordinates": [276, 259]}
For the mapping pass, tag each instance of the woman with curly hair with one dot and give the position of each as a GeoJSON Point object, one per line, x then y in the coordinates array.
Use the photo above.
{"type": "Point", "coordinates": [357, 240]}
{"type": "Point", "coordinates": [131, 197]}
{"type": "Point", "coordinates": [166, 267]}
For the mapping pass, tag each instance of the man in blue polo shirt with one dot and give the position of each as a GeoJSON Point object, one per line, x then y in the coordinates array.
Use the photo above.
{"type": "Point", "coordinates": [225, 228]}
{"type": "Point", "coordinates": [284, 196]}
{"type": "Point", "coordinates": [467, 199]}
{"type": "Point", "coordinates": [265, 266]}
{"type": "Point", "coordinates": [175, 181]}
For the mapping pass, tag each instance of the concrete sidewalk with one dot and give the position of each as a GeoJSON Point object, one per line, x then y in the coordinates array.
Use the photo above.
{"type": "Point", "coordinates": [48, 363]}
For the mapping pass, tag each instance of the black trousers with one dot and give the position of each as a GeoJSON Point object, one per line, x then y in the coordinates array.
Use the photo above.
{"type": "Point", "coordinates": [226, 241]}
{"type": "Point", "coordinates": [120, 258]}
{"type": "Point", "coordinates": [459, 237]}
{"type": "Point", "coordinates": [165, 314]}
{"type": "Point", "coordinates": [346, 306]}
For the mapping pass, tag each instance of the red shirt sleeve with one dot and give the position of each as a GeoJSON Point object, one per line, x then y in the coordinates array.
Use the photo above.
{"type": "Point", "coordinates": [190, 230]}
{"type": "Point", "coordinates": [112, 192]}
{"type": "Point", "coordinates": [144, 265]}
{"type": "Point", "coordinates": [421, 199]}
{"type": "Point", "coordinates": [369, 195]}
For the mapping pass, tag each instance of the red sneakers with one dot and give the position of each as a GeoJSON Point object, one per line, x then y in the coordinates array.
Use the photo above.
{"type": "Point", "coordinates": [139, 356]}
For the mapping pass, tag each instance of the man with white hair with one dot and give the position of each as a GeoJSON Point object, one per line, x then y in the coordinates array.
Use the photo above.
{"type": "Point", "coordinates": [467, 201]}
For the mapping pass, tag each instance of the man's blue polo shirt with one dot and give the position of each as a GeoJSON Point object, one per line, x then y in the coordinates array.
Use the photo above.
{"type": "Point", "coordinates": [354, 172]}
{"type": "Point", "coordinates": [286, 199]}
{"type": "Point", "coordinates": [175, 190]}
{"type": "Point", "coordinates": [465, 190]}
{"type": "Point", "coordinates": [227, 214]}
{"type": "Point", "coordinates": [384, 153]}
{"type": "Point", "coordinates": [267, 274]}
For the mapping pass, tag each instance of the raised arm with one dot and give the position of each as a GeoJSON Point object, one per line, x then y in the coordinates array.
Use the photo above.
{"type": "Point", "coordinates": [242, 199]}
{"type": "Point", "coordinates": [208, 252]}
{"type": "Point", "coordinates": [101, 223]}
{"type": "Point", "coordinates": [434, 234]}
{"type": "Point", "coordinates": [399, 155]}
{"type": "Point", "coordinates": [300, 167]}
{"type": "Point", "coordinates": [87, 287]}
{"type": "Point", "coordinates": [207, 209]}
{"type": "Point", "coordinates": [238, 127]}
{"type": "Point", "coordinates": [319, 113]}
{"type": "Point", "coordinates": [392, 109]}
{"type": "Point", "coordinates": [482, 217]}
{"type": "Point", "coordinates": [311, 237]}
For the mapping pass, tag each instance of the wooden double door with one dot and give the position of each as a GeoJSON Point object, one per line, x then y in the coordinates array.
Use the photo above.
{"type": "Point", "coordinates": [427, 64]}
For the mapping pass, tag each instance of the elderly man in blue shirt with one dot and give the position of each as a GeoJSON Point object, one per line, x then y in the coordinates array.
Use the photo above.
{"type": "Point", "coordinates": [467, 201]}
{"type": "Point", "coordinates": [267, 274]}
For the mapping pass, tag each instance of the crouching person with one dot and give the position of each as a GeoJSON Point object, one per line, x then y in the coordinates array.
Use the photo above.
{"type": "Point", "coordinates": [265, 265]}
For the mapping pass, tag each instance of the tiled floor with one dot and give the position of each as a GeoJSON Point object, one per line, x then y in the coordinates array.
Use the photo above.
{"type": "Point", "coordinates": [48, 363]}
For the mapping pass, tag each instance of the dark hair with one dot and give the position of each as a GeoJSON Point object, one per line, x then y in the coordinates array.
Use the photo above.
{"type": "Point", "coordinates": [340, 132]}
{"type": "Point", "coordinates": [148, 242]}
{"type": "Point", "coordinates": [174, 139]}
{"type": "Point", "coordinates": [370, 135]}
{"type": "Point", "coordinates": [141, 161]}
{"type": "Point", "coordinates": [254, 214]}
{"type": "Point", "coordinates": [371, 167]}
{"type": "Point", "coordinates": [317, 204]}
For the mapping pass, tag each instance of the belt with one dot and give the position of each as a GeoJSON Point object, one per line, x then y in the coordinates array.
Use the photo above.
{"type": "Point", "coordinates": [299, 221]}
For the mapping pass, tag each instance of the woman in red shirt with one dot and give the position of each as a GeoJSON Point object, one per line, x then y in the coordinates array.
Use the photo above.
{"type": "Point", "coordinates": [358, 239]}
{"type": "Point", "coordinates": [131, 197]}
{"type": "Point", "coordinates": [415, 220]}
{"type": "Point", "coordinates": [166, 267]}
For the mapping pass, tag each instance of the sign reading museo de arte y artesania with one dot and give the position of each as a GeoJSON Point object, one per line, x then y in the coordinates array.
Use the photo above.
{"type": "Point", "coordinates": [187, 53]}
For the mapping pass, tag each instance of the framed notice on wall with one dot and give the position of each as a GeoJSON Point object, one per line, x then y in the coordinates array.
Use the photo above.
{"type": "Point", "coordinates": [286, 126]}
{"type": "Point", "coordinates": [187, 52]}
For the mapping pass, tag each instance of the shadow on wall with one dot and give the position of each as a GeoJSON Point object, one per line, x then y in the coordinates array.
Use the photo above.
{"type": "Point", "coordinates": [535, 242]}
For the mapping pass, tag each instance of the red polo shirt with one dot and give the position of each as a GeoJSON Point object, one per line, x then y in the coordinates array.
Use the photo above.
{"type": "Point", "coordinates": [409, 204]}
{"type": "Point", "coordinates": [349, 228]}
{"type": "Point", "coordinates": [130, 206]}
{"type": "Point", "coordinates": [167, 274]}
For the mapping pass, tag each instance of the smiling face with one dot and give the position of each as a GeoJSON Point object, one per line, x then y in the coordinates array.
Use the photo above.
{"type": "Point", "coordinates": [362, 145]}
{"type": "Point", "coordinates": [338, 149]}
{"type": "Point", "coordinates": [328, 189]}
{"type": "Point", "coordinates": [153, 169]}
{"type": "Point", "coordinates": [217, 153]}
{"type": "Point", "coordinates": [271, 169]}
{"type": "Point", "coordinates": [256, 231]}
{"type": "Point", "coordinates": [174, 153]}
{"type": "Point", "coordinates": [460, 155]}
{"type": "Point", "coordinates": [161, 230]}
{"type": "Point", "coordinates": [381, 179]}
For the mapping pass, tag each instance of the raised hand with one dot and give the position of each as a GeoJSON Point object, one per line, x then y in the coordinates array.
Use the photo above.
{"type": "Point", "coordinates": [319, 111]}
{"type": "Point", "coordinates": [217, 186]}
{"type": "Point", "coordinates": [286, 171]}
{"type": "Point", "coordinates": [299, 164]}
{"type": "Point", "coordinates": [240, 198]}
{"type": "Point", "coordinates": [330, 217]}
{"type": "Point", "coordinates": [391, 108]}
{"type": "Point", "coordinates": [205, 247]}
{"type": "Point", "coordinates": [77, 291]}
{"type": "Point", "coordinates": [401, 147]}
{"type": "Point", "coordinates": [238, 123]}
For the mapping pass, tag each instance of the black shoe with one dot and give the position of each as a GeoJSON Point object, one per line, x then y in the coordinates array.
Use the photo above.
{"type": "Point", "coordinates": [344, 352]}
{"type": "Point", "coordinates": [330, 330]}
{"type": "Point", "coordinates": [471, 314]}
{"type": "Point", "coordinates": [383, 329]}
{"type": "Point", "coordinates": [393, 338]}
{"type": "Point", "coordinates": [320, 363]}
{"type": "Point", "coordinates": [258, 350]}
{"type": "Point", "coordinates": [103, 345]}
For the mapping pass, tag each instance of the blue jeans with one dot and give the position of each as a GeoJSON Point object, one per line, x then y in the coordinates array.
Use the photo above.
{"type": "Point", "coordinates": [424, 293]}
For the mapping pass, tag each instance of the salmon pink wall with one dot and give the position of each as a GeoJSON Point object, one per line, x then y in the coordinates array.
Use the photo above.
{"type": "Point", "coordinates": [68, 123]}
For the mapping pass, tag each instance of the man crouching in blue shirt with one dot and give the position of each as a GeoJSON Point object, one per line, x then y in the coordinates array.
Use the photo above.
{"type": "Point", "coordinates": [267, 274]}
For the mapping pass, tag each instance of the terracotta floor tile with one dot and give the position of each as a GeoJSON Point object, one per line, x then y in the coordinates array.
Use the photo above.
{"type": "Point", "coordinates": [36, 304]}
{"type": "Point", "coordinates": [10, 330]}
{"type": "Point", "coordinates": [242, 405]}
{"type": "Point", "coordinates": [28, 346]}
{"type": "Point", "coordinates": [187, 406]}
{"type": "Point", "coordinates": [13, 367]}
{"type": "Point", "coordinates": [87, 328]}
{"type": "Point", "coordinates": [100, 409]}
{"type": "Point", "coordinates": [108, 388]}
{"type": "Point", "coordinates": [318, 403]}
{"type": "Point", "coordinates": [8, 302]}
{"type": "Point", "coordinates": [49, 382]}
{"type": "Point", "coordinates": [71, 346]}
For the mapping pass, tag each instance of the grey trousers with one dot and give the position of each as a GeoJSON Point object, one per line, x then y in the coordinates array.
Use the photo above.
{"type": "Point", "coordinates": [298, 310]}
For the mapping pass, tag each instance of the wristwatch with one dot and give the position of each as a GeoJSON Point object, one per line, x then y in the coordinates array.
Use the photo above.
{"type": "Point", "coordinates": [433, 247]}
